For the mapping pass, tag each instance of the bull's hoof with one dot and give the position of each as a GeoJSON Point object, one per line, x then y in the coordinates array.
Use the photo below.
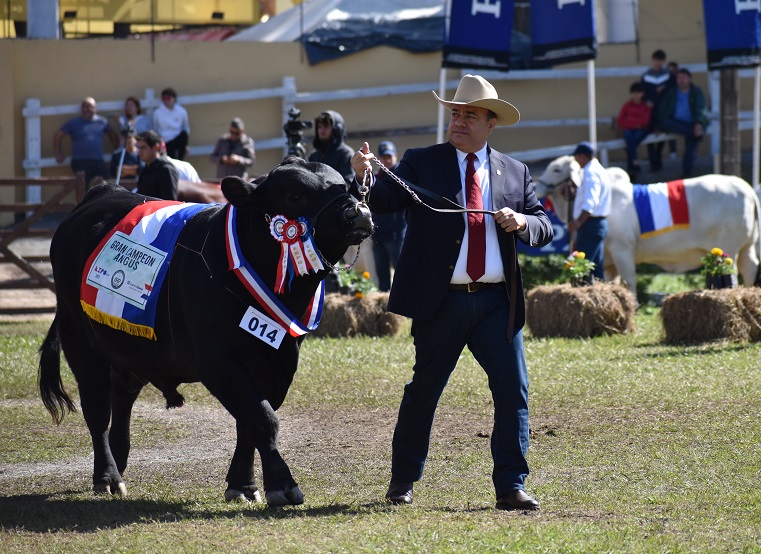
{"type": "Point", "coordinates": [290, 496]}
{"type": "Point", "coordinates": [103, 488]}
{"type": "Point", "coordinates": [234, 495]}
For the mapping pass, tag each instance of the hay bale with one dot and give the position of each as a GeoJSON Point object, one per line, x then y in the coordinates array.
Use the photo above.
{"type": "Point", "coordinates": [346, 316]}
{"type": "Point", "coordinates": [705, 315]}
{"type": "Point", "coordinates": [566, 311]}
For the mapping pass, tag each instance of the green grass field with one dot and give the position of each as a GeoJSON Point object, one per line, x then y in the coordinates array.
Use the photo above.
{"type": "Point", "coordinates": [637, 446]}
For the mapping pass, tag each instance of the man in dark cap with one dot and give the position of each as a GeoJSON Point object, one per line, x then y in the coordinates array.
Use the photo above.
{"type": "Point", "coordinates": [389, 227]}
{"type": "Point", "coordinates": [591, 207]}
{"type": "Point", "coordinates": [234, 152]}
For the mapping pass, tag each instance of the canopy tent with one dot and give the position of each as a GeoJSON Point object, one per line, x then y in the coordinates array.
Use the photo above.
{"type": "Point", "coordinates": [330, 29]}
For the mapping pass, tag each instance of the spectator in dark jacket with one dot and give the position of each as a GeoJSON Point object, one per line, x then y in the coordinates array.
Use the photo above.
{"type": "Point", "coordinates": [656, 81]}
{"type": "Point", "coordinates": [234, 152]}
{"type": "Point", "coordinates": [682, 111]}
{"type": "Point", "coordinates": [329, 145]}
{"type": "Point", "coordinates": [159, 177]}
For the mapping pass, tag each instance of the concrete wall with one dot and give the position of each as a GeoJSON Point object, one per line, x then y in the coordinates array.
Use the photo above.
{"type": "Point", "coordinates": [62, 72]}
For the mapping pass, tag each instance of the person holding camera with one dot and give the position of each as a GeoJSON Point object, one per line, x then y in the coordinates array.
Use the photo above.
{"type": "Point", "coordinates": [294, 132]}
{"type": "Point", "coordinates": [234, 152]}
{"type": "Point", "coordinates": [329, 145]}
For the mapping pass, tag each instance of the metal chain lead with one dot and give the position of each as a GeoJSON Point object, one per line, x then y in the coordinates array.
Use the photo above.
{"type": "Point", "coordinates": [416, 198]}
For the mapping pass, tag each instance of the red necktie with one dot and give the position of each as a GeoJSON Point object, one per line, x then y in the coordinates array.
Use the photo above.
{"type": "Point", "coordinates": [476, 226]}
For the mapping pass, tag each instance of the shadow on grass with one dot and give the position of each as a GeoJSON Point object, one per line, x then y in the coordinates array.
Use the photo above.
{"type": "Point", "coordinates": [44, 513]}
{"type": "Point", "coordinates": [676, 350]}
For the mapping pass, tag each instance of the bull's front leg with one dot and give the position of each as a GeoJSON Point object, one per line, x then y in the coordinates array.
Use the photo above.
{"type": "Point", "coordinates": [241, 486]}
{"type": "Point", "coordinates": [279, 487]}
{"type": "Point", "coordinates": [257, 427]}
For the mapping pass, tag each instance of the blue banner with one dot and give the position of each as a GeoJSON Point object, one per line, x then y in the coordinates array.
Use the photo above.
{"type": "Point", "coordinates": [733, 32]}
{"type": "Point", "coordinates": [562, 31]}
{"type": "Point", "coordinates": [559, 244]}
{"type": "Point", "coordinates": [478, 33]}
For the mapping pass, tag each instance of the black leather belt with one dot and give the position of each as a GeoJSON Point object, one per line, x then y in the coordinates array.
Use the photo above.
{"type": "Point", "coordinates": [475, 287]}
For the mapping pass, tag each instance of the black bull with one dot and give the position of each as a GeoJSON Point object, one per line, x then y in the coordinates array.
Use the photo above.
{"type": "Point", "coordinates": [200, 307]}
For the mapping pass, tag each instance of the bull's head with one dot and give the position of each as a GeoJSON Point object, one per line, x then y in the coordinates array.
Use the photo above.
{"type": "Point", "coordinates": [558, 182]}
{"type": "Point", "coordinates": [311, 190]}
{"type": "Point", "coordinates": [558, 172]}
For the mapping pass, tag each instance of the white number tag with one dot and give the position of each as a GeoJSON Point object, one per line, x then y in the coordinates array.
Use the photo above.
{"type": "Point", "coordinates": [263, 327]}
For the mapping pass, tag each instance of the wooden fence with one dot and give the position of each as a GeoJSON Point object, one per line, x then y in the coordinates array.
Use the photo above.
{"type": "Point", "coordinates": [70, 191]}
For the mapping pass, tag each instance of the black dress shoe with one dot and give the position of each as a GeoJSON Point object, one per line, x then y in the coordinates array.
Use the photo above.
{"type": "Point", "coordinates": [517, 500]}
{"type": "Point", "coordinates": [399, 492]}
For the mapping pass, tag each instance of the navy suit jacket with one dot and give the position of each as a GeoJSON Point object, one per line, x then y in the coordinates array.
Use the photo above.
{"type": "Point", "coordinates": [432, 242]}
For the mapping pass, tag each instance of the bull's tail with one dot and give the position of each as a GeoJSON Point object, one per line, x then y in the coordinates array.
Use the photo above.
{"type": "Point", "coordinates": [52, 392]}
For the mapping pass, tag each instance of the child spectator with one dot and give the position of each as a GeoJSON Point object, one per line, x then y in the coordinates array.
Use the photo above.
{"type": "Point", "coordinates": [634, 120]}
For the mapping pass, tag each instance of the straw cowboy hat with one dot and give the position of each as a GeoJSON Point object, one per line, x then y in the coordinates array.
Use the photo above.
{"type": "Point", "coordinates": [474, 90]}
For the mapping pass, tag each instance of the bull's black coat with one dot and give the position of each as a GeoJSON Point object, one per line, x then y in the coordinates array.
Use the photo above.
{"type": "Point", "coordinates": [200, 307]}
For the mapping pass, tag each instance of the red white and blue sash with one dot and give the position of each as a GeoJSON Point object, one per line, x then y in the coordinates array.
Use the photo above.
{"type": "Point", "coordinates": [661, 207]}
{"type": "Point", "coordinates": [123, 276]}
{"type": "Point", "coordinates": [259, 290]}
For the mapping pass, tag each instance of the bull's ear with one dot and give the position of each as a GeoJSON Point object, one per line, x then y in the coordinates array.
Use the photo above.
{"type": "Point", "coordinates": [239, 192]}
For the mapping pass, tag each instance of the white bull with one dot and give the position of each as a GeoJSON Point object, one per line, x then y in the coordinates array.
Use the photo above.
{"type": "Point", "coordinates": [723, 212]}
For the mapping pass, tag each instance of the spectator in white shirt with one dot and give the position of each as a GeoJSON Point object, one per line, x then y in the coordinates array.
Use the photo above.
{"type": "Point", "coordinates": [170, 120]}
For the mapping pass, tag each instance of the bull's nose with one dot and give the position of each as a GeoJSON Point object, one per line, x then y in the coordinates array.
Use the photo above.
{"type": "Point", "coordinates": [359, 217]}
{"type": "Point", "coordinates": [358, 210]}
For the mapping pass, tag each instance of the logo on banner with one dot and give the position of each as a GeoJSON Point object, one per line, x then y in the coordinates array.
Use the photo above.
{"type": "Point", "coordinates": [478, 34]}
{"type": "Point", "coordinates": [747, 5]}
{"type": "Point", "coordinates": [126, 268]}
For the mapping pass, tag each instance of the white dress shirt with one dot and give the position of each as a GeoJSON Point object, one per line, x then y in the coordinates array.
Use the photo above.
{"type": "Point", "coordinates": [593, 195]}
{"type": "Point", "coordinates": [494, 271]}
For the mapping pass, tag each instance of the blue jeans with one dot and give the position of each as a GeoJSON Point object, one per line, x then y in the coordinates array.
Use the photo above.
{"type": "Point", "coordinates": [589, 239]}
{"type": "Point", "coordinates": [477, 320]}
{"type": "Point", "coordinates": [687, 130]}
{"type": "Point", "coordinates": [633, 137]}
{"type": "Point", "coordinates": [91, 168]}
{"type": "Point", "coordinates": [385, 253]}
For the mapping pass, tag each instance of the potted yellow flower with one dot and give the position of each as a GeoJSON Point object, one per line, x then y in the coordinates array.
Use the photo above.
{"type": "Point", "coordinates": [719, 269]}
{"type": "Point", "coordinates": [578, 270]}
{"type": "Point", "coordinates": [355, 283]}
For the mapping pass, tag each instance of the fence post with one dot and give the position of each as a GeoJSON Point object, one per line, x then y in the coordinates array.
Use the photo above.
{"type": "Point", "coordinates": [289, 101]}
{"type": "Point", "coordinates": [150, 97]}
{"type": "Point", "coordinates": [714, 85]}
{"type": "Point", "coordinates": [603, 155]}
{"type": "Point", "coordinates": [81, 186]}
{"type": "Point", "coordinates": [33, 149]}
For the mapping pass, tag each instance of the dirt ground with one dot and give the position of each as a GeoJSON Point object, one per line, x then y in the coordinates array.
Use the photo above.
{"type": "Point", "coordinates": [315, 441]}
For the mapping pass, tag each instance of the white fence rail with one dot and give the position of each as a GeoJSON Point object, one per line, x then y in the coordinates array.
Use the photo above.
{"type": "Point", "coordinates": [33, 111]}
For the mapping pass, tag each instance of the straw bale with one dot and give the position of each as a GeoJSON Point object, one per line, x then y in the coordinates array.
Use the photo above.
{"type": "Point", "coordinates": [705, 315]}
{"type": "Point", "coordinates": [566, 311]}
{"type": "Point", "coordinates": [346, 316]}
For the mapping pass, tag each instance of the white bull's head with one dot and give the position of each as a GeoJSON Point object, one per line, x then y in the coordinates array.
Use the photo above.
{"type": "Point", "coordinates": [558, 172]}
{"type": "Point", "coordinates": [552, 184]}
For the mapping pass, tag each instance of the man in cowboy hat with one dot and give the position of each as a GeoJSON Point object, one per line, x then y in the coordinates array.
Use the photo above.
{"type": "Point", "coordinates": [458, 278]}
